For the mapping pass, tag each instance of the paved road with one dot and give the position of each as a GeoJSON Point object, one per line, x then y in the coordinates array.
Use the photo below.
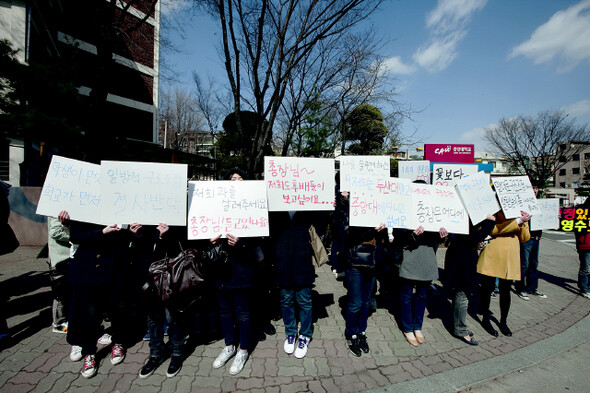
{"type": "Point", "coordinates": [547, 334]}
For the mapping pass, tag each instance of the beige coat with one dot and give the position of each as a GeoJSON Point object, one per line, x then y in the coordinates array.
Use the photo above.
{"type": "Point", "coordinates": [501, 257]}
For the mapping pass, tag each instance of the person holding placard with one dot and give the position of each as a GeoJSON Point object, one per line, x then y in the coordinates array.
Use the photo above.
{"type": "Point", "coordinates": [291, 246]}
{"type": "Point", "coordinates": [58, 244]}
{"type": "Point", "coordinates": [417, 270]}
{"type": "Point", "coordinates": [583, 248]}
{"type": "Point", "coordinates": [151, 245]}
{"type": "Point", "coordinates": [529, 264]}
{"type": "Point", "coordinates": [501, 259]}
{"type": "Point", "coordinates": [460, 273]}
{"type": "Point", "coordinates": [362, 248]}
{"type": "Point", "coordinates": [233, 281]}
{"type": "Point", "coordinates": [97, 272]}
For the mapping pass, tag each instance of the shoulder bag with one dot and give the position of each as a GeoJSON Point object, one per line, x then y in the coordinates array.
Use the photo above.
{"type": "Point", "coordinates": [180, 281]}
{"type": "Point", "coordinates": [319, 255]}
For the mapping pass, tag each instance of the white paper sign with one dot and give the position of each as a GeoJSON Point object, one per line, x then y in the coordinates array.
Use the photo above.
{"type": "Point", "coordinates": [390, 202]}
{"type": "Point", "coordinates": [448, 174]}
{"type": "Point", "coordinates": [435, 207]}
{"type": "Point", "coordinates": [360, 172]}
{"type": "Point", "coordinates": [548, 218]}
{"type": "Point", "coordinates": [477, 196]}
{"type": "Point", "coordinates": [221, 207]}
{"type": "Point", "coordinates": [144, 192]}
{"type": "Point", "coordinates": [515, 195]}
{"type": "Point", "coordinates": [74, 186]}
{"type": "Point", "coordinates": [295, 183]}
{"type": "Point", "coordinates": [414, 170]}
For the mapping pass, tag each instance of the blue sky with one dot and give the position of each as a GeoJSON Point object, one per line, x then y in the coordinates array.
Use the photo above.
{"type": "Point", "coordinates": [463, 64]}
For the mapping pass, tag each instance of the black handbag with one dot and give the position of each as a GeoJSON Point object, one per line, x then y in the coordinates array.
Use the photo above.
{"type": "Point", "coordinates": [180, 281]}
{"type": "Point", "coordinates": [362, 256]}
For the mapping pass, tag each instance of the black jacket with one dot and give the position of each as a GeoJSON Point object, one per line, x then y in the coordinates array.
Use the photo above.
{"type": "Point", "coordinates": [462, 254]}
{"type": "Point", "coordinates": [291, 247]}
{"type": "Point", "coordinates": [98, 256]}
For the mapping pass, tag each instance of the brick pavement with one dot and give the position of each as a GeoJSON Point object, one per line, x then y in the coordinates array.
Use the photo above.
{"type": "Point", "coordinates": [37, 359]}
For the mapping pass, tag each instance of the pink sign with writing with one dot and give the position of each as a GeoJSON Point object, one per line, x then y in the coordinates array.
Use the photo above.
{"type": "Point", "coordinates": [449, 153]}
{"type": "Point", "coordinates": [296, 183]}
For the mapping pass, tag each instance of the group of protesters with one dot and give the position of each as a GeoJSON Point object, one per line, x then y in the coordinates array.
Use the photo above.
{"type": "Point", "coordinates": [253, 277]}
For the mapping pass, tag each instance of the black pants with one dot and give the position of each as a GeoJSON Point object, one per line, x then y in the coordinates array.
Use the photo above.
{"type": "Point", "coordinates": [487, 287]}
{"type": "Point", "coordinates": [88, 305]}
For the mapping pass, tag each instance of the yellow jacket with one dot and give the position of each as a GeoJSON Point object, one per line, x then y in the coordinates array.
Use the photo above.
{"type": "Point", "coordinates": [501, 257]}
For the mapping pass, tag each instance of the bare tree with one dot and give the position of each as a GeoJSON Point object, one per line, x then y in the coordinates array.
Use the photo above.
{"type": "Point", "coordinates": [210, 103]}
{"type": "Point", "coordinates": [538, 146]}
{"type": "Point", "coordinates": [181, 117]}
{"type": "Point", "coordinates": [263, 41]}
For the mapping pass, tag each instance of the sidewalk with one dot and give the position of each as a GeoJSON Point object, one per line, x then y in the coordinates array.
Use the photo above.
{"type": "Point", "coordinates": [37, 359]}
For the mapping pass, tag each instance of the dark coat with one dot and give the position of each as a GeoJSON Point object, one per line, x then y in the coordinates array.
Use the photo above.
{"type": "Point", "coordinates": [98, 256]}
{"type": "Point", "coordinates": [462, 254]}
{"type": "Point", "coordinates": [239, 271]}
{"type": "Point", "coordinates": [291, 248]}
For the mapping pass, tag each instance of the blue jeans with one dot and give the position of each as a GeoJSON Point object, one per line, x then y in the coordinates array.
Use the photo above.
{"type": "Point", "coordinates": [303, 297]}
{"type": "Point", "coordinates": [529, 263]}
{"type": "Point", "coordinates": [413, 305]}
{"type": "Point", "coordinates": [157, 314]}
{"type": "Point", "coordinates": [234, 303]}
{"type": "Point", "coordinates": [584, 273]}
{"type": "Point", "coordinates": [360, 286]}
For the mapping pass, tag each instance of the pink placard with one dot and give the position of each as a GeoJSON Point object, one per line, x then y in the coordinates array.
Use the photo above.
{"type": "Point", "coordinates": [449, 153]}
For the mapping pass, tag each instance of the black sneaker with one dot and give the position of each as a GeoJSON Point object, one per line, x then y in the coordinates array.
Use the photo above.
{"type": "Point", "coordinates": [174, 367]}
{"type": "Point", "coordinates": [149, 368]}
{"type": "Point", "coordinates": [362, 343]}
{"type": "Point", "coordinates": [353, 345]}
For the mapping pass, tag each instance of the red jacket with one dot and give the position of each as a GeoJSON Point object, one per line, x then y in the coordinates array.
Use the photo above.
{"type": "Point", "coordinates": [582, 241]}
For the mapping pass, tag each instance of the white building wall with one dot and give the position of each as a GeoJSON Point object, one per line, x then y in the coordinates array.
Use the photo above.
{"type": "Point", "coordinates": [13, 22]}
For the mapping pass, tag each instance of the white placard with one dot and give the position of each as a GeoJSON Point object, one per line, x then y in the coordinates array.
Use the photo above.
{"type": "Point", "coordinates": [515, 195]}
{"type": "Point", "coordinates": [414, 170]}
{"type": "Point", "coordinates": [296, 183]}
{"type": "Point", "coordinates": [361, 172]}
{"type": "Point", "coordinates": [548, 218]}
{"type": "Point", "coordinates": [477, 196]}
{"type": "Point", "coordinates": [221, 207]}
{"type": "Point", "coordinates": [448, 174]}
{"type": "Point", "coordinates": [144, 192]}
{"type": "Point", "coordinates": [436, 206]}
{"type": "Point", "coordinates": [74, 186]}
{"type": "Point", "coordinates": [390, 202]}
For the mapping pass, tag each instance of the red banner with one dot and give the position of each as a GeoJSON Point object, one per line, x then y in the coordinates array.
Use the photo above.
{"type": "Point", "coordinates": [449, 153]}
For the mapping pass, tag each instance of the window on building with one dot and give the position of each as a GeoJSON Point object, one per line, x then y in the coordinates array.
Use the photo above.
{"type": "Point", "coordinates": [576, 157]}
{"type": "Point", "coordinates": [562, 185]}
{"type": "Point", "coordinates": [586, 156]}
{"type": "Point", "coordinates": [563, 146]}
{"type": "Point", "coordinates": [575, 171]}
{"type": "Point", "coordinates": [562, 159]}
{"type": "Point", "coordinates": [562, 172]}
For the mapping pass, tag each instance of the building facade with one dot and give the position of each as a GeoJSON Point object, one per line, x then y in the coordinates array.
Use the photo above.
{"type": "Point", "coordinates": [574, 167]}
{"type": "Point", "coordinates": [115, 47]}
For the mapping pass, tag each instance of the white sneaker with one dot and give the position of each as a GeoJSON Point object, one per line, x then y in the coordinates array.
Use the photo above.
{"type": "Point", "coordinates": [586, 295]}
{"type": "Point", "coordinates": [89, 366]}
{"type": "Point", "coordinates": [76, 353]}
{"type": "Point", "coordinates": [238, 364]}
{"type": "Point", "coordinates": [523, 295]}
{"type": "Point", "coordinates": [61, 328]}
{"type": "Point", "coordinates": [302, 345]}
{"type": "Point", "coordinates": [289, 346]}
{"type": "Point", "coordinates": [223, 357]}
{"type": "Point", "coordinates": [105, 339]}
